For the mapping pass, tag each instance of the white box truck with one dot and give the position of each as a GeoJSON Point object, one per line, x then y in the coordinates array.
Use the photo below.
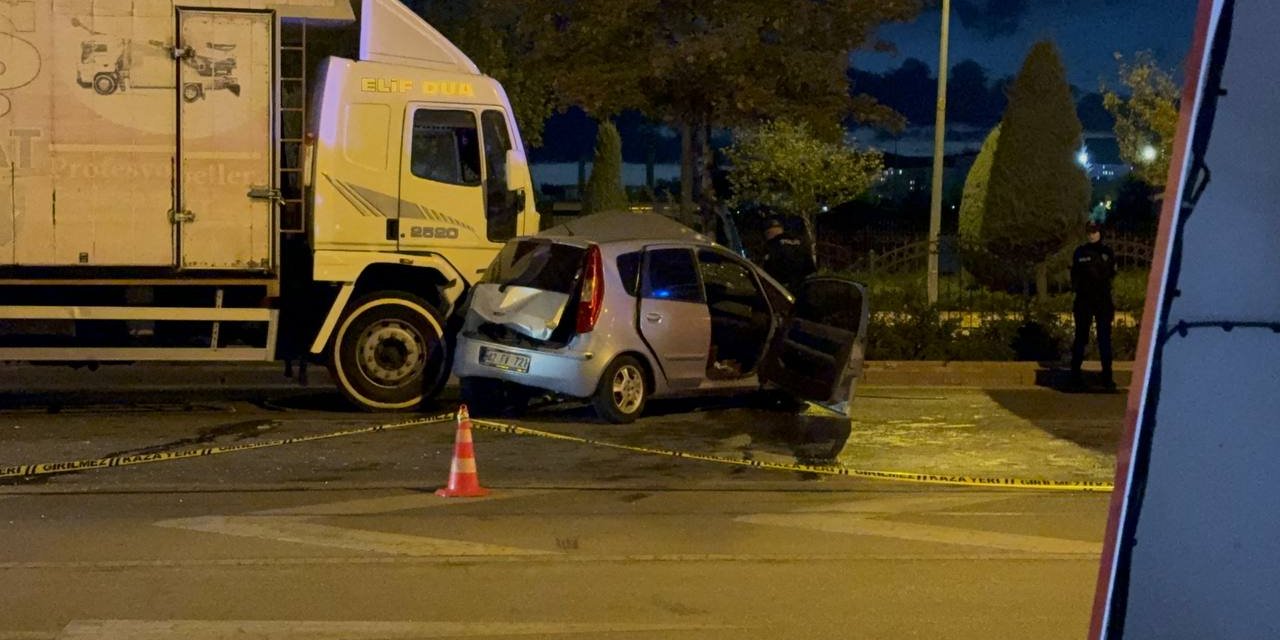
{"type": "Point", "coordinates": [178, 182]}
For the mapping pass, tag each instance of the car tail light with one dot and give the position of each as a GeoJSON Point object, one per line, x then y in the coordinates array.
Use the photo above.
{"type": "Point", "coordinates": [591, 297]}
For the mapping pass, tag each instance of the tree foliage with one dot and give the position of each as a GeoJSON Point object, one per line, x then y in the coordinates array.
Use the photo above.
{"type": "Point", "coordinates": [719, 62]}
{"type": "Point", "coordinates": [1037, 194]}
{"type": "Point", "coordinates": [973, 204]}
{"type": "Point", "coordinates": [783, 166]}
{"type": "Point", "coordinates": [713, 63]}
{"type": "Point", "coordinates": [490, 33]}
{"type": "Point", "coordinates": [1146, 118]}
{"type": "Point", "coordinates": [604, 189]}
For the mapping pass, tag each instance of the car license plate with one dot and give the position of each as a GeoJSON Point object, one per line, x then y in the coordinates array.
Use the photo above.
{"type": "Point", "coordinates": [504, 360]}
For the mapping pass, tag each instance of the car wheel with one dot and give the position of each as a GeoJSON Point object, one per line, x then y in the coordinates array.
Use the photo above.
{"type": "Point", "coordinates": [192, 92]}
{"type": "Point", "coordinates": [489, 397]}
{"type": "Point", "coordinates": [620, 397]}
{"type": "Point", "coordinates": [389, 352]}
{"type": "Point", "coordinates": [105, 84]}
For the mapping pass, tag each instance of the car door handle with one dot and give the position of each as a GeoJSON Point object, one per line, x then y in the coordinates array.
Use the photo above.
{"type": "Point", "coordinates": [653, 317]}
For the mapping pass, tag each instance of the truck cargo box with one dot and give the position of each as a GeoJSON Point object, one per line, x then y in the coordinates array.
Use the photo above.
{"type": "Point", "coordinates": [140, 134]}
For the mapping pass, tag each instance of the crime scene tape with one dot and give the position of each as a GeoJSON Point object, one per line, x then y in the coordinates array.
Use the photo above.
{"type": "Point", "coordinates": [31, 470]}
{"type": "Point", "coordinates": [903, 476]}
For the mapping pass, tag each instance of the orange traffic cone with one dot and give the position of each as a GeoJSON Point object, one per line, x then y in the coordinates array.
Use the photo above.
{"type": "Point", "coordinates": [463, 480]}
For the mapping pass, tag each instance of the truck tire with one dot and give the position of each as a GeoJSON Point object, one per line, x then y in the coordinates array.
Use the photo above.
{"type": "Point", "coordinates": [390, 352]}
{"type": "Point", "coordinates": [623, 390]}
{"type": "Point", "coordinates": [105, 84]}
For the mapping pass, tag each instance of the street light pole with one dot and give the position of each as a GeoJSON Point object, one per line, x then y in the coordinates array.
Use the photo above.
{"type": "Point", "coordinates": [939, 141]}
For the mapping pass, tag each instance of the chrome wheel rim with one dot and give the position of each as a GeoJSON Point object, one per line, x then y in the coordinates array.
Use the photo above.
{"type": "Point", "coordinates": [628, 389]}
{"type": "Point", "coordinates": [392, 352]}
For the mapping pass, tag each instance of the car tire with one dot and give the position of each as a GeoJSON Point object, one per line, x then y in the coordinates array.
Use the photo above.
{"type": "Point", "coordinates": [623, 390]}
{"type": "Point", "coordinates": [192, 92]}
{"type": "Point", "coordinates": [105, 84]}
{"type": "Point", "coordinates": [390, 352]}
{"type": "Point", "coordinates": [487, 397]}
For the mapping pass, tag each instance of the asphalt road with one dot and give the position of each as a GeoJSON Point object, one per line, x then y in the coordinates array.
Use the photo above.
{"type": "Point", "coordinates": [343, 538]}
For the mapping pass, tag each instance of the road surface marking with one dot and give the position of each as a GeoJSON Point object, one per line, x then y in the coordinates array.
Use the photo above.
{"type": "Point", "coordinates": [387, 504]}
{"type": "Point", "coordinates": [928, 533]}
{"type": "Point", "coordinates": [297, 530]}
{"type": "Point", "coordinates": [909, 504]}
{"type": "Point", "coordinates": [293, 524]}
{"type": "Point", "coordinates": [867, 518]}
{"type": "Point", "coordinates": [348, 630]}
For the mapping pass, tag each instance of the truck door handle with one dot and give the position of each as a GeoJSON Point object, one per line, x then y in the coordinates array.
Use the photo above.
{"type": "Point", "coordinates": [653, 317]}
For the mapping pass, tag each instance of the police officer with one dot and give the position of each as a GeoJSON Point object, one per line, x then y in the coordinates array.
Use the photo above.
{"type": "Point", "coordinates": [786, 258]}
{"type": "Point", "coordinates": [1093, 267]}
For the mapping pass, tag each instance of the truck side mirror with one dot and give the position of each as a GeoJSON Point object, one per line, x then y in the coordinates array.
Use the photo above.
{"type": "Point", "coordinates": [517, 170]}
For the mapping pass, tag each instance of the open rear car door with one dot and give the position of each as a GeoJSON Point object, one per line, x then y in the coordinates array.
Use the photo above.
{"type": "Point", "coordinates": [817, 352]}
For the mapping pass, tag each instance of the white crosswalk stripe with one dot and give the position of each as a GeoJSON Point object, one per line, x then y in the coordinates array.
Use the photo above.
{"type": "Point", "coordinates": [873, 518]}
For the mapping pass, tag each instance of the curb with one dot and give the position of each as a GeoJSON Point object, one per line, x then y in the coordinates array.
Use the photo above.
{"type": "Point", "coordinates": [906, 373]}
{"type": "Point", "coordinates": [34, 379]}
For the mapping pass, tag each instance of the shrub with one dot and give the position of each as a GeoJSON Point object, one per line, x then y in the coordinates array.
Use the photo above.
{"type": "Point", "coordinates": [1013, 327]}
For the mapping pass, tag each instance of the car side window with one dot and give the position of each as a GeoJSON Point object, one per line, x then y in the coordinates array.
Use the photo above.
{"type": "Point", "coordinates": [671, 274]}
{"type": "Point", "coordinates": [729, 281]}
{"type": "Point", "coordinates": [446, 147]}
{"type": "Point", "coordinates": [831, 302]}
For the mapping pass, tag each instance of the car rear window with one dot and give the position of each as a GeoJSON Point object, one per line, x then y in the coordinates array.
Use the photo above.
{"type": "Point", "coordinates": [537, 264]}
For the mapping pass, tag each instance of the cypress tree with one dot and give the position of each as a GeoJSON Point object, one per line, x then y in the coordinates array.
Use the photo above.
{"type": "Point", "coordinates": [973, 204]}
{"type": "Point", "coordinates": [1037, 194]}
{"type": "Point", "coordinates": [986, 268]}
{"type": "Point", "coordinates": [604, 190]}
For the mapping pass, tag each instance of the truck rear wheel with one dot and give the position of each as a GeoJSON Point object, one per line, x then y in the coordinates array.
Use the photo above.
{"type": "Point", "coordinates": [105, 84]}
{"type": "Point", "coordinates": [389, 352]}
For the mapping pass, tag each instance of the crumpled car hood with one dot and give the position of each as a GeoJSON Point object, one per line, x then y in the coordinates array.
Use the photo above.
{"type": "Point", "coordinates": [533, 312]}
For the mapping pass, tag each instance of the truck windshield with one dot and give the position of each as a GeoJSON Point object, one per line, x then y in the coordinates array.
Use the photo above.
{"type": "Point", "coordinates": [537, 264]}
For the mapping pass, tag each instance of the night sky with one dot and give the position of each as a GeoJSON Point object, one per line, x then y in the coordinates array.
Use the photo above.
{"type": "Point", "coordinates": [999, 33]}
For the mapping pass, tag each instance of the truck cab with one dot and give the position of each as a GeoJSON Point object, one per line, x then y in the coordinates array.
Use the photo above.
{"type": "Point", "coordinates": [417, 178]}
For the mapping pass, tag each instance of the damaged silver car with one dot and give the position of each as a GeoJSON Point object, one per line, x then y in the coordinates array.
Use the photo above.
{"type": "Point", "coordinates": [619, 308]}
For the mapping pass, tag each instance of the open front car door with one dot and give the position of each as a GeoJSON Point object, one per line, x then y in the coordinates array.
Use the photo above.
{"type": "Point", "coordinates": [817, 353]}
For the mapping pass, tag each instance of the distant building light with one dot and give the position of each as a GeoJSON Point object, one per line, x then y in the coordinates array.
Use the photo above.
{"type": "Point", "coordinates": [1082, 157]}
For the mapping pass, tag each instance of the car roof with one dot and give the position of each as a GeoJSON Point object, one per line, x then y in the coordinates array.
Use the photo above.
{"type": "Point", "coordinates": [616, 227]}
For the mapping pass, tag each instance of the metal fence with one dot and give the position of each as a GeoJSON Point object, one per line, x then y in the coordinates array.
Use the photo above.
{"type": "Point", "coordinates": [901, 253]}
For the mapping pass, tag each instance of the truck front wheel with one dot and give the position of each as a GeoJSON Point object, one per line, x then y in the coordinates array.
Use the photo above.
{"type": "Point", "coordinates": [389, 352]}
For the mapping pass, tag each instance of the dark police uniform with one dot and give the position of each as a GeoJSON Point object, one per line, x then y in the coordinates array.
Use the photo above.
{"type": "Point", "coordinates": [1093, 267]}
{"type": "Point", "coordinates": [788, 261]}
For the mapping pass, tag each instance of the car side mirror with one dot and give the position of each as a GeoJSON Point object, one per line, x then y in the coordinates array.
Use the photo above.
{"type": "Point", "coordinates": [517, 170]}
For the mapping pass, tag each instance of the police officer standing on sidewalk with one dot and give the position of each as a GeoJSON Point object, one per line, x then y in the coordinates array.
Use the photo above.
{"type": "Point", "coordinates": [786, 258]}
{"type": "Point", "coordinates": [1093, 267]}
